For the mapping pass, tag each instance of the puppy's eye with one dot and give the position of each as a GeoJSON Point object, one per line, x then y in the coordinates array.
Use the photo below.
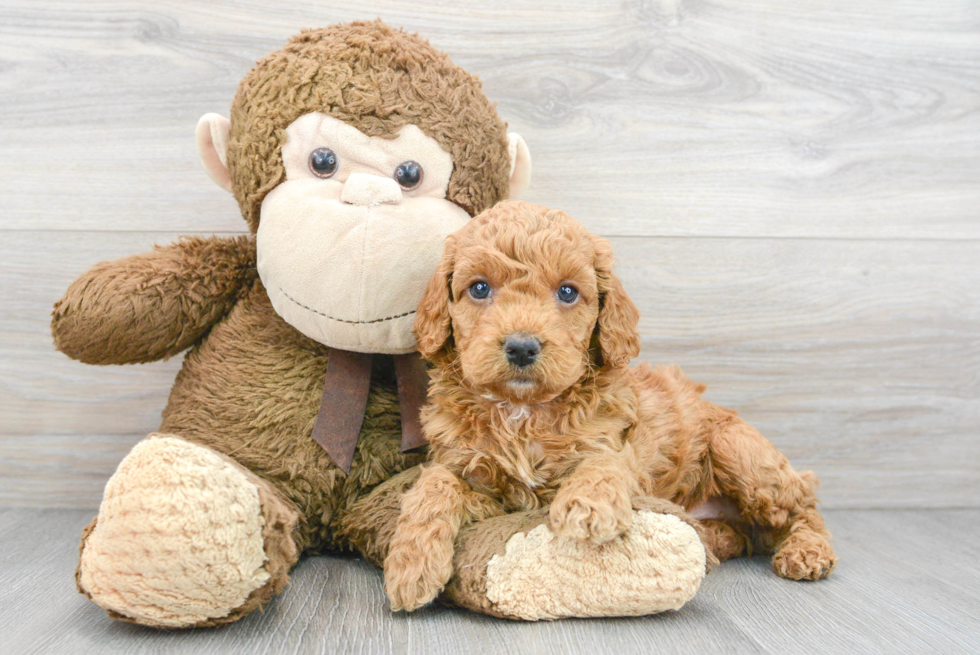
{"type": "Point", "coordinates": [408, 175]}
{"type": "Point", "coordinates": [323, 162]}
{"type": "Point", "coordinates": [480, 290]}
{"type": "Point", "coordinates": [567, 293]}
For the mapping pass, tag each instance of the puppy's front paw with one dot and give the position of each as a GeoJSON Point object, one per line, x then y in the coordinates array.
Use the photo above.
{"type": "Point", "coordinates": [590, 518]}
{"type": "Point", "coordinates": [414, 578]}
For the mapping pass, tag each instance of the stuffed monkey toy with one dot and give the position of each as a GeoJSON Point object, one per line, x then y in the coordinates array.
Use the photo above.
{"type": "Point", "coordinates": [292, 427]}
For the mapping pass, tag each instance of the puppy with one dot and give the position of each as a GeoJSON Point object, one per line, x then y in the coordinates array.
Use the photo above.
{"type": "Point", "coordinates": [531, 403]}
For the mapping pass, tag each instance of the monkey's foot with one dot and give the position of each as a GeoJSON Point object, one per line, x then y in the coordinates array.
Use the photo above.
{"type": "Point", "coordinates": [185, 538]}
{"type": "Point", "coordinates": [657, 565]}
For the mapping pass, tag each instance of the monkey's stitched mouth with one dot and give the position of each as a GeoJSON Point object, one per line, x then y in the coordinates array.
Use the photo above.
{"type": "Point", "coordinates": [343, 320]}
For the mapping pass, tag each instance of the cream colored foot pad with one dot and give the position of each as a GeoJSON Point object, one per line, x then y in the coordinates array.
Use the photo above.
{"type": "Point", "coordinates": [658, 565]}
{"type": "Point", "coordinates": [178, 539]}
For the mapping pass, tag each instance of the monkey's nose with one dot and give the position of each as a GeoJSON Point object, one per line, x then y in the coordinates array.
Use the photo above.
{"type": "Point", "coordinates": [522, 350]}
{"type": "Point", "coordinates": [368, 190]}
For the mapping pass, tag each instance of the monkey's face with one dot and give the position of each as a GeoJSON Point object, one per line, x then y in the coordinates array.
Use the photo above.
{"type": "Point", "coordinates": [353, 153]}
{"type": "Point", "coordinates": [347, 242]}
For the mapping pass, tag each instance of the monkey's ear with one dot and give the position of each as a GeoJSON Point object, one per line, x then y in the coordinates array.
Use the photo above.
{"type": "Point", "coordinates": [433, 324]}
{"type": "Point", "coordinates": [212, 146]}
{"type": "Point", "coordinates": [520, 165]}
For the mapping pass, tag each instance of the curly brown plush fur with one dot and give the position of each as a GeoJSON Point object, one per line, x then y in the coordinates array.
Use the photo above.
{"type": "Point", "coordinates": [575, 428]}
{"type": "Point", "coordinates": [377, 79]}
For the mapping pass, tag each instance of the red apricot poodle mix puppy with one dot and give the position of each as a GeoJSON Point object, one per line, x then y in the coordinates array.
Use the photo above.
{"type": "Point", "coordinates": [531, 402]}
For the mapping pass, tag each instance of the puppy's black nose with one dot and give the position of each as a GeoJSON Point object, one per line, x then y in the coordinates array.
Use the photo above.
{"type": "Point", "coordinates": [521, 350]}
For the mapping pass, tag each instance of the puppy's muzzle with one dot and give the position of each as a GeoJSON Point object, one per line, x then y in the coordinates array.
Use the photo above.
{"type": "Point", "coordinates": [522, 350]}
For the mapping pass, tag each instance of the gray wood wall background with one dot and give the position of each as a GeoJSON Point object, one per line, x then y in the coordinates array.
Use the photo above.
{"type": "Point", "coordinates": [793, 190]}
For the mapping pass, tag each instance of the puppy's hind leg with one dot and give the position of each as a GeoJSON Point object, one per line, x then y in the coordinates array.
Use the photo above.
{"type": "Point", "coordinates": [772, 495]}
{"type": "Point", "coordinates": [724, 530]}
{"type": "Point", "coordinates": [725, 540]}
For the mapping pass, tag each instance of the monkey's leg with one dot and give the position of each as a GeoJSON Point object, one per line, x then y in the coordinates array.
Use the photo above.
{"type": "Point", "coordinates": [513, 566]}
{"type": "Point", "coordinates": [770, 494]}
{"type": "Point", "coordinates": [185, 537]}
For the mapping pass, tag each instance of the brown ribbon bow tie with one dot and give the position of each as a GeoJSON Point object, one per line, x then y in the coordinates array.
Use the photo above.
{"type": "Point", "coordinates": [345, 394]}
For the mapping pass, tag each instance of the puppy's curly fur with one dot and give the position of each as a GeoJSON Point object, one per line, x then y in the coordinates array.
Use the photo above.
{"type": "Point", "coordinates": [574, 427]}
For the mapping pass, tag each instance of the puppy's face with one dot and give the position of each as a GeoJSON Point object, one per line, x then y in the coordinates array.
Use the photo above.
{"type": "Point", "coordinates": [524, 303]}
{"type": "Point", "coordinates": [525, 306]}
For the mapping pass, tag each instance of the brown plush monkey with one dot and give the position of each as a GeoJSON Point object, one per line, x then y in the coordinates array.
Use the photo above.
{"type": "Point", "coordinates": [352, 152]}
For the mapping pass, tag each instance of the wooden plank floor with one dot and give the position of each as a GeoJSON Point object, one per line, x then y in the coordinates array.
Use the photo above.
{"type": "Point", "coordinates": [908, 582]}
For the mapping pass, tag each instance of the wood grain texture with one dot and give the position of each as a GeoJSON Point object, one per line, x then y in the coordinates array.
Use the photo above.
{"type": "Point", "coordinates": [793, 193]}
{"type": "Point", "coordinates": [907, 583]}
{"type": "Point", "coordinates": [722, 118]}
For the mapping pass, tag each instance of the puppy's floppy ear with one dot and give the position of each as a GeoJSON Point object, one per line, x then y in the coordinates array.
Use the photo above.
{"type": "Point", "coordinates": [433, 325]}
{"type": "Point", "coordinates": [616, 332]}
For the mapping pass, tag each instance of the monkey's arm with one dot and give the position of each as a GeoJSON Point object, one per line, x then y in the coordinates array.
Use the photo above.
{"type": "Point", "coordinates": [152, 306]}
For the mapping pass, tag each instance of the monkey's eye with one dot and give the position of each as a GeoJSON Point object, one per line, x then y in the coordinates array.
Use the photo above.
{"type": "Point", "coordinates": [323, 162]}
{"type": "Point", "coordinates": [567, 293]}
{"type": "Point", "coordinates": [480, 290]}
{"type": "Point", "coordinates": [408, 175]}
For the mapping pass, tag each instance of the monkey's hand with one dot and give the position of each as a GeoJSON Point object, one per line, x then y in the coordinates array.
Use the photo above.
{"type": "Point", "coordinates": [152, 306]}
